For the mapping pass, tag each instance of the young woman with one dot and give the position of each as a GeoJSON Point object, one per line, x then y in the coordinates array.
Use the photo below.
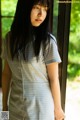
{"type": "Point", "coordinates": [30, 82]}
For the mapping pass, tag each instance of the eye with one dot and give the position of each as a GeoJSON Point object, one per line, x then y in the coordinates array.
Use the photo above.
{"type": "Point", "coordinates": [36, 7]}
{"type": "Point", "coordinates": [45, 9]}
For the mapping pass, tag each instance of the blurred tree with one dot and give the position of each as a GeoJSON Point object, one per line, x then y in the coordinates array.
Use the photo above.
{"type": "Point", "coordinates": [8, 7]}
{"type": "Point", "coordinates": [74, 43]}
{"type": "Point", "coordinates": [7, 11]}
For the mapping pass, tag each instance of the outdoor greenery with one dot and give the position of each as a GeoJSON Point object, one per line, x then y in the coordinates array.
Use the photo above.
{"type": "Point", "coordinates": [74, 43]}
{"type": "Point", "coordinates": [8, 9]}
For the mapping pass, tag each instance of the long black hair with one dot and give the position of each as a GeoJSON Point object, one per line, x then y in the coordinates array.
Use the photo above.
{"type": "Point", "coordinates": [22, 32]}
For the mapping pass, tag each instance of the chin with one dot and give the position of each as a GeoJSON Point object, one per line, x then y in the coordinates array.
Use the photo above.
{"type": "Point", "coordinates": [37, 25]}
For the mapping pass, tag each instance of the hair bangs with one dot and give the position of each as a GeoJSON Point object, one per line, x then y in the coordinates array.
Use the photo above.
{"type": "Point", "coordinates": [43, 2]}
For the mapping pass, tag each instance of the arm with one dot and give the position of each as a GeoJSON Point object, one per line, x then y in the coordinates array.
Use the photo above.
{"type": "Point", "coordinates": [6, 78]}
{"type": "Point", "coordinates": [55, 89]}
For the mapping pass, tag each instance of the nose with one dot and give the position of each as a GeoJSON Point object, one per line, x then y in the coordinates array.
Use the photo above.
{"type": "Point", "coordinates": [39, 12]}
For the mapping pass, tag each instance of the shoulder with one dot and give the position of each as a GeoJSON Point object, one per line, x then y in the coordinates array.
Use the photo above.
{"type": "Point", "coordinates": [7, 36]}
{"type": "Point", "coordinates": [6, 40]}
{"type": "Point", "coordinates": [52, 38]}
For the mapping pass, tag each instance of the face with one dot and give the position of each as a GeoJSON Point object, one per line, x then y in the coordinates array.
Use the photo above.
{"type": "Point", "coordinates": [38, 14]}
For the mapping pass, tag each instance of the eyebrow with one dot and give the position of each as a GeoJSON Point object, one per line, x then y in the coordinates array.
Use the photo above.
{"type": "Point", "coordinates": [41, 4]}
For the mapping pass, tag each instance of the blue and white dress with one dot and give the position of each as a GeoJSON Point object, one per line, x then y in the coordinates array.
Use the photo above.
{"type": "Point", "coordinates": [30, 96]}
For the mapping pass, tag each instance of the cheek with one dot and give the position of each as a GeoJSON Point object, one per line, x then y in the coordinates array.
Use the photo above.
{"type": "Point", "coordinates": [32, 16]}
{"type": "Point", "coordinates": [44, 15]}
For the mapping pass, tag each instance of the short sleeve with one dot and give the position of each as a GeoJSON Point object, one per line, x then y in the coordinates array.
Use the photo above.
{"type": "Point", "coordinates": [51, 53]}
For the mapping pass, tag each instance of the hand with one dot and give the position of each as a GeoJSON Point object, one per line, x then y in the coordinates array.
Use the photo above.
{"type": "Point", "coordinates": [59, 114]}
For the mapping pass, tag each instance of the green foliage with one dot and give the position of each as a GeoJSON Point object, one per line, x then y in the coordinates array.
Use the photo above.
{"type": "Point", "coordinates": [6, 23]}
{"type": "Point", "coordinates": [75, 16]}
{"type": "Point", "coordinates": [8, 7]}
{"type": "Point", "coordinates": [74, 43]}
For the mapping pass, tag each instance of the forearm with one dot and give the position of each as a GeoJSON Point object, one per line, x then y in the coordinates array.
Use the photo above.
{"type": "Point", "coordinates": [55, 89]}
{"type": "Point", "coordinates": [5, 89]}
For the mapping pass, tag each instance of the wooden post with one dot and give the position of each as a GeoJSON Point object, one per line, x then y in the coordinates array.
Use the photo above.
{"type": "Point", "coordinates": [63, 41]}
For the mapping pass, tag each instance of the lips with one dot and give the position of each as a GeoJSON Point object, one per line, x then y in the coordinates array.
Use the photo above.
{"type": "Point", "coordinates": [38, 20]}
